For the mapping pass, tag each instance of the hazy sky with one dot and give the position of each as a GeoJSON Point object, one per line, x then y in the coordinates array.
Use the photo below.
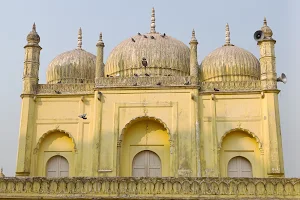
{"type": "Point", "coordinates": [58, 22]}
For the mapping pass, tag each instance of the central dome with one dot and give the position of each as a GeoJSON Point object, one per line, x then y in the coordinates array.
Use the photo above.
{"type": "Point", "coordinates": [165, 56]}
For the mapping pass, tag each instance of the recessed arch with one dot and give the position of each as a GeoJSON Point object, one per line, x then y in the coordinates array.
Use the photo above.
{"type": "Point", "coordinates": [37, 147]}
{"type": "Point", "coordinates": [141, 118]}
{"type": "Point", "coordinates": [258, 141]}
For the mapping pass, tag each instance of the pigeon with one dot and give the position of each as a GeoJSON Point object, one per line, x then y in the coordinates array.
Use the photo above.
{"type": "Point", "coordinates": [145, 36]}
{"type": "Point", "coordinates": [139, 34]}
{"type": "Point", "coordinates": [132, 40]}
{"type": "Point", "coordinates": [83, 116]}
{"type": "Point", "coordinates": [217, 90]}
{"type": "Point", "coordinates": [144, 62]}
{"type": "Point", "coordinates": [135, 74]}
{"type": "Point", "coordinates": [135, 84]}
{"type": "Point", "coordinates": [164, 35]}
{"type": "Point", "coordinates": [152, 37]}
{"type": "Point", "coordinates": [147, 74]}
{"type": "Point", "coordinates": [59, 81]}
{"type": "Point", "coordinates": [187, 83]}
{"type": "Point", "coordinates": [57, 92]}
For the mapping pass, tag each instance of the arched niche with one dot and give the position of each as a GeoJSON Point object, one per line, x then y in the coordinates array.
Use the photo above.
{"type": "Point", "coordinates": [54, 143]}
{"type": "Point", "coordinates": [37, 147]}
{"type": "Point", "coordinates": [239, 142]}
{"type": "Point", "coordinates": [145, 133]}
{"type": "Point", "coordinates": [244, 131]}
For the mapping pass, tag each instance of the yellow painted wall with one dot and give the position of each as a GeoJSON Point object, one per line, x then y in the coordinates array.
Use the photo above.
{"type": "Point", "coordinates": [105, 143]}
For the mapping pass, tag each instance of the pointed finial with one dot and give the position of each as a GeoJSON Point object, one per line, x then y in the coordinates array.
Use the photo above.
{"type": "Point", "coordinates": [100, 41]}
{"type": "Point", "coordinates": [79, 43]}
{"type": "Point", "coordinates": [227, 35]}
{"type": "Point", "coordinates": [193, 39]}
{"type": "Point", "coordinates": [100, 37]}
{"type": "Point", "coordinates": [1, 173]}
{"type": "Point", "coordinates": [34, 27]}
{"type": "Point", "coordinates": [153, 21]}
{"type": "Point", "coordinates": [33, 37]}
{"type": "Point", "coordinates": [265, 21]}
{"type": "Point", "coordinates": [266, 29]}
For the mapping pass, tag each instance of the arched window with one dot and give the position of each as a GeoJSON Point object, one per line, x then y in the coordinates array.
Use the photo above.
{"type": "Point", "coordinates": [146, 164]}
{"type": "Point", "coordinates": [239, 167]}
{"type": "Point", "coordinates": [57, 166]}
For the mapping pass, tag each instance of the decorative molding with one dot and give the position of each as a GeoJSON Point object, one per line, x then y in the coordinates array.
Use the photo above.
{"type": "Point", "coordinates": [245, 131]}
{"type": "Point", "coordinates": [36, 149]}
{"type": "Point", "coordinates": [147, 81]}
{"type": "Point", "coordinates": [79, 88]}
{"type": "Point", "coordinates": [226, 86]}
{"type": "Point", "coordinates": [149, 188]}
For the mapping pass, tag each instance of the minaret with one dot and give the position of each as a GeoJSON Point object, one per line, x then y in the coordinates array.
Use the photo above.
{"type": "Point", "coordinates": [99, 61]}
{"type": "Point", "coordinates": [193, 56]}
{"type": "Point", "coordinates": [270, 108]}
{"type": "Point", "coordinates": [32, 62]}
{"type": "Point", "coordinates": [27, 120]}
{"type": "Point", "coordinates": [267, 59]}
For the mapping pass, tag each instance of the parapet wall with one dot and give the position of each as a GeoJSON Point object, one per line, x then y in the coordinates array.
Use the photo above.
{"type": "Point", "coordinates": [149, 188]}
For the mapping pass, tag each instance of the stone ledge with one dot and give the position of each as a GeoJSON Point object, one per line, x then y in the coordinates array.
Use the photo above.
{"type": "Point", "coordinates": [149, 188]}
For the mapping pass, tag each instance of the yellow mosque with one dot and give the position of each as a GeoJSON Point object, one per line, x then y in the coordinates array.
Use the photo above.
{"type": "Point", "coordinates": [151, 122]}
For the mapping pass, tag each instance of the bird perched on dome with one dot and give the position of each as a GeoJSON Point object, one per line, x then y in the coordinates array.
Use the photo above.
{"type": "Point", "coordinates": [144, 62]}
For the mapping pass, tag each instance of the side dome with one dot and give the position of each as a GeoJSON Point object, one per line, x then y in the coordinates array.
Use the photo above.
{"type": "Point", "coordinates": [76, 66]}
{"type": "Point", "coordinates": [163, 54]}
{"type": "Point", "coordinates": [229, 63]}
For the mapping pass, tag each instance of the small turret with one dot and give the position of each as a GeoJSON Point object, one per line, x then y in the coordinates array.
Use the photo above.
{"type": "Point", "coordinates": [31, 62]}
{"type": "Point", "coordinates": [193, 56]}
{"type": "Point", "coordinates": [99, 60]}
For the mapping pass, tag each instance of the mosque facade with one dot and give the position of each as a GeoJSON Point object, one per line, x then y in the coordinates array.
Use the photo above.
{"type": "Point", "coordinates": [151, 120]}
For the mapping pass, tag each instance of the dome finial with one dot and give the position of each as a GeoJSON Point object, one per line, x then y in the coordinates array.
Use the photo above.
{"type": "Point", "coordinates": [153, 21]}
{"type": "Point", "coordinates": [1, 172]}
{"type": "Point", "coordinates": [34, 27]}
{"type": "Point", "coordinates": [100, 41]}
{"type": "Point", "coordinates": [79, 43]}
{"type": "Point", "coordinates": [227, 35]}
{"type": "Point", "coordinates": [266, 29]}
{"type": "Point", "coordinates": [193, 35]}
{"type": "Point", "coordinates": [265, 21]}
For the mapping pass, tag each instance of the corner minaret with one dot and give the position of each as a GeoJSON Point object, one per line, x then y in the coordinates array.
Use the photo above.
{"type": "Point", "coordinates": [99, 59]}
{"type": "Point", "coordinates": [193, 56]}
{"type": "Point", "coordinates": [267, 59]}
{"type": "Point", "coordinates": [31, 62]}
{"type": "Point", "coordinates": [270, 107]}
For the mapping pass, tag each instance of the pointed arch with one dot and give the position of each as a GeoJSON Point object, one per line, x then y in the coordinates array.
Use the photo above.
{"type": "Point", "coordinates": [37, 147]}
{"type": "Point", "coordinates": [140, 118]}
{"type": "Point", "coordinates": [258, 141]}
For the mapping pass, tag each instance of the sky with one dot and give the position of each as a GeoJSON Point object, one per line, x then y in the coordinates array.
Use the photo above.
{"type": "Point", "coordinates": [58, 23]}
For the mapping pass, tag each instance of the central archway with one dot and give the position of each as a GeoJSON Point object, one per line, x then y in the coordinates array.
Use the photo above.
{"type": "Point", "coordinates": [141, 135]}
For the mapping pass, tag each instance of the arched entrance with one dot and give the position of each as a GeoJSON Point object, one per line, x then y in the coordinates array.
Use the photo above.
{"type": "Point", "coordinates": [240, 155]}
{"type": "Point", "coordinates": [57, 166]}
{"type": "Point", "coordinates": [142, 140]}
{"type": "Point", "coordinates": [239, 167]}
{"type": "Point", "coordinates": [51, 144]}
{"type": "Point", "coordinates": [146, 164]}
